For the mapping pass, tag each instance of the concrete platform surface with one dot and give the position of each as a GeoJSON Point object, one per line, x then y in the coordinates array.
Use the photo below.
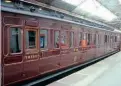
{"type": "Point", "coordinates": [104, 73]}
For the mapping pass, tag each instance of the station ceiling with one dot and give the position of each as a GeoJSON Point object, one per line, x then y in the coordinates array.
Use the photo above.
{"type": "Point", "coordinates": [74, 6]}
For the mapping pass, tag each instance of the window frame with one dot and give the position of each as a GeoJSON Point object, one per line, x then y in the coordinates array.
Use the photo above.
{"type": "Point", "coordinates": [36, 40]}
{"type": "Point", "coordinates": [54, 39]}
{"type": "Point", "coordinates": [67, 38]}
{"type": "Point", "coordinates": [81, 34]}
{"type": "Point", "coordinates": [70, 40]}
{"type": "Point", "coordinates": [115, 38]}
{"type": "Point", "coordinates": [47, 38]}
{"type": "Point", "coordinates": [106, 38]}
{"type": "Point", "coordinates": [89, 38]}
{"type": "Point", "coordinates": [94, 38]}
{"type": "Point", "coordinates": [21, 30]}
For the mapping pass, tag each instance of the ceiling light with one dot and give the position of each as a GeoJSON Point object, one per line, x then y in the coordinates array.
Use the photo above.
{"type": "Point", "coordinates": [8, 1]}
{"type": "Point", "coordinates": [40, 8]}
{"type": "Point", "coordinates": [95, 8]}
{"type": "Point", "coordinates": [73, 2]}
{"type": "Point", "coordinates": [116, 30]}
{"type": "Point", "coordinates": [119, 1]}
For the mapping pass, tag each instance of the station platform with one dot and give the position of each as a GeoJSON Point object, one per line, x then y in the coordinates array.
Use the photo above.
{"type": "Point", "coordinates": [104, 73]}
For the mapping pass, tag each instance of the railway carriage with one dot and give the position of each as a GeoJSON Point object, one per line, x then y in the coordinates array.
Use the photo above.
{"type": "Point", "coordinates": [33, 46]}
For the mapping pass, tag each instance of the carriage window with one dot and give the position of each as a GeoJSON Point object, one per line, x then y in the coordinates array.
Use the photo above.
{"type": "Point", "coordinates": [64, 38]}
{"type": "Point", "coordinates": [89, 39]}
{"type": "Point", "coordinates": [105, 38]}
{"type": "Point", "coordinates": [71, 39]}
{"type": "Point", "coordinates": [80, 38]}
{"type": "Point", "coordinates": [112, 38]}
{"type": "Point", "coordinates": [15, 40]}
{"type": "Point", "coordinates": [115, 38]}
{"type": "Point", "coordinates": [56, 39]}
{"type": "Point", "coordinates": [43, 38]}
{"type": "Point", "coordinates": [108, 38]}
{"type": "Point", "coordinates": [30, 39]}
{"type": "Point", "coordinates": [98, 39]}
{"type": "Point", "coordinates": [94, 38]}
{"type": "Point", "coordinates": [84, 36]}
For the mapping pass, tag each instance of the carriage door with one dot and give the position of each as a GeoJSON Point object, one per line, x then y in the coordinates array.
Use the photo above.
{"type": "Point", "coordinates": [13, 53]}
{"type": "Point", "coordinates": [31, 55]}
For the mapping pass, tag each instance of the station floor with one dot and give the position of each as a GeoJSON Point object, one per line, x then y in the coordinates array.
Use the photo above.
{"type": "Point", "coordinates": [104, 73]}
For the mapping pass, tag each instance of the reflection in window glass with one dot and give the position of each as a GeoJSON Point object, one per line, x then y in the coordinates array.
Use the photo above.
{"type": "Point", "coordinates": [56, 39]}
{"type": "Point", "coordinates": [115, 38]}
{"type": "Point", "coordinates": [15, 40]}
{"type": "Point", "coordinates": [88, 39]}
{"type": "Point", "coordinates": [31, 39]}
{"type": "Point", "coordinates": [95, 39]}
{"type": "Point", "coordinates": [98, 39]}
{"type": "Point", "coordinates": [43, 38]}
{"type": "Point", "coordinates": [80, 38]}
{"type": "Point", "coordinates": [64, 38]}
{"type": "Point", "coordinates": [111, 39]}
{"type": "Point", "coordinates": [71, 39]}
{"type": "Point", "coordinates": [108, 38]}
{"type": "Point", "coordinates": [105, 38]}
{"type": "Point", "coordinates": [84, 36]}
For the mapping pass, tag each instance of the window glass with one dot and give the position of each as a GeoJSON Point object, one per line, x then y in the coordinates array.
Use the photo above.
{"type": "Point", "coordinates": [80, 38]}
{"type": "Point", "coordinates": [31, 39]}
{"type": "Point", "coordinates": [43, 38]}
{"type": "Point", "coordinates": [94, 38]}
{"type": "Point", "coordinates": [88, 39]}
{"type": "Point", "coordinates": [15, 40]}
{"type": "Point", "coordinates": [105, 38]}
{"type": "Point", "coordinates": [111, 39]}
{"type": "Point", "coordinates": [84, 36]}
{"type": "Point", "coordinates": [115, 38]}
{"type": "Point", "coordinates": [71, 39]}
{"type": "Point", "coordinates": [56, 39]}
{"type": "Point", "coordinates": [91, 38]}
{"type": "Point", "coordinates": [64, 38]}
{"type": "Point", "coordinates": [108, 38]}
{"type": "Point", "coordinates": [98, 39]}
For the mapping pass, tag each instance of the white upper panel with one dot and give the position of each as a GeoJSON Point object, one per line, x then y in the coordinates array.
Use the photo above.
{"type": "Point", "coordinates": [73, 2]}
